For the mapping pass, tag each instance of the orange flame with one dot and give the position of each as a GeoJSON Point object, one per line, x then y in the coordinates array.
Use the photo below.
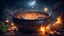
{"type": "Point", "coordinates": [59, 20]}
{"type": "Point", "coordinates": [42, 29]}
{"type": "Point", "coordinates": [56, 25]}
{"type": "Point", "coordinates": [48, 28]}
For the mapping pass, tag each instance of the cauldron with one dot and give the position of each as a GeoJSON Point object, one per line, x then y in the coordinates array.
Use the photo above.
{"type": "Point", "coordinates": [29, 26]}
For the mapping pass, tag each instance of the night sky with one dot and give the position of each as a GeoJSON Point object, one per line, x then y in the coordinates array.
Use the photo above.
{"type": "Point", "coordinates": [8, 6]}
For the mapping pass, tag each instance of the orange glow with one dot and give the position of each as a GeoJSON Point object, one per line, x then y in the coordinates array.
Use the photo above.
{"type": "Point", "coordinates": [7, 21]}
{"type": "Point", "coordinates": [58, 24]}
{"type": "Point", "coordinates": [12, 24]}
{"type": "Point", "coordinates": [48, 28]}
{"type": "Point", "coordinates": [42, 29]}
{"type": "Point", "coordinates": [29, 16]}
{"type": "Point", "coordinates": [51, 32]}
{"type": "Point", "coordinates": [9, 29]}
{"type": "Point", "coordinates": [13, 27]}
{"type": "Point", "coordinates": [59, 20]}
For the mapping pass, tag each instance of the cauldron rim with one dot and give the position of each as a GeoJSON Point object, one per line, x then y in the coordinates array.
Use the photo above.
{"type": "Point", "coordinates": [31, 12]}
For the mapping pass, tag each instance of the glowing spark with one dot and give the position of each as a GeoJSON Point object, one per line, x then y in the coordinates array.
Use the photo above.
{"type": "Point", "coordinates": [9, 29]}
{"type": "Point", "coordinates": [12, 24]}
{"type": "Point", "coordinates": [7, 21]}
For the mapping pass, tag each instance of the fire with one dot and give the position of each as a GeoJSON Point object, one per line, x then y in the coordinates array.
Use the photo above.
{"type": "Point", "coordinates": [59, 20]}
{"type": "Point", "coordinates": [50, 27]}
{"type": "Point", "coordinates": [42, 29]}
{"type": "Point", "coordinates": [58, 24]}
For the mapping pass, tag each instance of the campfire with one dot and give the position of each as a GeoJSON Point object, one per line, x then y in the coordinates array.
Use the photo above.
{"type": "Point", "coordinates": [51, 28]}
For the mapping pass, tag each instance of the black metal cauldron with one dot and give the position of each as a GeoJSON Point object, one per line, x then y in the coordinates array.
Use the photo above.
{"type": "Point", "coordinates": [30, 25]}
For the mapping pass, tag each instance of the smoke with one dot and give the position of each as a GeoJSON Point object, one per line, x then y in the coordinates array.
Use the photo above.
{"type": "Point", "coordinates": [6, 13]}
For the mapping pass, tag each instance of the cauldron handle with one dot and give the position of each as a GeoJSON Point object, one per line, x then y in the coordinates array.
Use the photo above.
{"type": "Point", "coordinates": [50, 14]}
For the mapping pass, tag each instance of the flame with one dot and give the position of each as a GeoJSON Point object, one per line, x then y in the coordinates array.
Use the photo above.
{"type": "Point", "coordinates": [56, 25]}
{"type": "Point", "coordinates": [48, 28]}
{"type": "Point", "coordinates": [59, 20]}
{"type": "Point", "coordinates": [42, 29]}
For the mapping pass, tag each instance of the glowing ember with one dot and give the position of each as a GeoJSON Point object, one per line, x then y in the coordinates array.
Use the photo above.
{"type": "Point", "coordinates": [12, 24]}
{"type": "Point", "coordinates": [9, 29]}
{"type": "Point", "coordinates": [13, 27]}
{"type": "Point", "coordinates": [7, 21]}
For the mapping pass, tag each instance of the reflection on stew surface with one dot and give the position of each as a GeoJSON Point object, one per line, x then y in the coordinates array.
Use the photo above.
{"type": "Point", "coordinates": [31, 15]}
